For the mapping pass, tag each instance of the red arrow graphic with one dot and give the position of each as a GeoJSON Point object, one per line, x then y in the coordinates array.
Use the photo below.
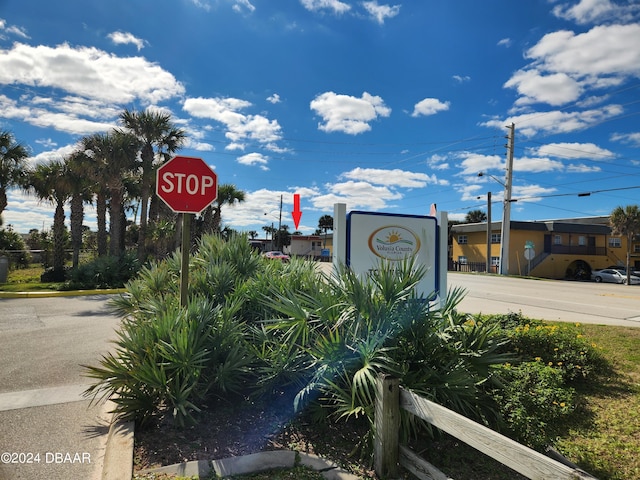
{"type": "Point", "coordinates": [297, 213]}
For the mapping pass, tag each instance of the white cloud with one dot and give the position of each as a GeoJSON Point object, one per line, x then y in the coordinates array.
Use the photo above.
{"type": "Point", "coordinates": [533, 86]}
{"type": "Point", "coordinates": [582, 168]}
{"type": "Point", "coordinates": [429, 106]}
{"type": "Point", "coordinates": [43, 114]}
{"type": "Point", "coordinates": [391, 178]}
{"type": "Point", "coordinates": [471, 192]}
{"type": "Point", "coordinates": [438, 162]}
{"type": "Point", "coordinates": [527, 193]}
{"type": "Point", "coordinates": [356, 195]}
{"type": "Point", "coordinates": [529, 124]}
{"type": "Point", "coordinates": [474, 163]}
{"type": "Point", "coordinates": [565, 64]}
{"type": "Point", "coordinates": [243, 4]}
{"type": "Point", "coordinates": [241, 128]}
{"type": "Point", "coordinates": [596, 11]}
{"type": "Point", "coordinates": [335, 5]}
{"type": "Point", "coordinates": [261, 207]}
{"type": "Point", "coordinates": [536, 165]}
{"type": "Point", "coordinates": [275, 98]}
{"type": "Point", "coordinates": [55, 154]}
{"type": "Point", "coordinates": [603, 51]}
{"type": "Point", "coordinates": [12, 30]}
{"type": "Point", "coordinates": [254, 159]}
{"type": "Point", "coordinates": [573, 151]}
{"type": "Point", "coordinates": [97, 75]}
{"type": "Point", "coordinates": [505, 42]}
{"type": "Point", "coordinates": [203, 4]}
{"type": "Point", "coordinates": [347, 114]}
{"type": "Point", "coordinates": [381, 12]}
{"type": "Point", "coordinates": [124, 38]}
{"type": "Point", "coordinates": [630, 138]}
{"type": "Point", "coordinates": [462, 78]}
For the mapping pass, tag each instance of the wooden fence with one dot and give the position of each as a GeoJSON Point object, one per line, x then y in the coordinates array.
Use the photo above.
{"type": "Point", "coordinates": [389, 454]}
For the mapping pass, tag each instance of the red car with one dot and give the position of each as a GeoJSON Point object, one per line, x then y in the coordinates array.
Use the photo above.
{"type": "Point", "coordinates": [276, 256]}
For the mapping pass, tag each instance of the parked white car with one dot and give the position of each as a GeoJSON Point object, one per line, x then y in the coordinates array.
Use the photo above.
{"type": "Point", "coordinates": [610, 275]}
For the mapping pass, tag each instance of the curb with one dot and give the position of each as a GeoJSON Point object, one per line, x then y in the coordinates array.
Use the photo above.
{"type": "Point", "coordinates": [118, 461]}
{"type": "Point", "coordinates": [66, 293]}
{"type": "Point", "coordinates": [118, 456]}
{"type": "Point", "coordinates": [255, 463]}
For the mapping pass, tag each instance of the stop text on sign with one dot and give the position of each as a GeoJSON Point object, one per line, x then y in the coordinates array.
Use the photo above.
{"type": "Point", "coordinates": [186, 183]}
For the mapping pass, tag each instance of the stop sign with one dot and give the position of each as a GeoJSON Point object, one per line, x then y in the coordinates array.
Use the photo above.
{"type": "Point", "coordinates": [186, 184]}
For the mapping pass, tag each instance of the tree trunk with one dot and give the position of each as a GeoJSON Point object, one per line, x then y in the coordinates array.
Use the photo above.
{"type": "Point", "coordinates": [101, 214]}
{"type": "Point", "coordinates": [115, 222]}
{"type": "Point", "coordinates": [77, 216]}
{"type": "Point", "coordinates": [58, 241]}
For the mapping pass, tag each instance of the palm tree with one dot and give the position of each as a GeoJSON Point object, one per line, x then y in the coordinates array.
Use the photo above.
{"type": "Point", "coordinates": [78, 167]}
{"type": "Point", "coordinates": [51, 183]}
{"type": "Point", "coordinates": [228, 194]}
{"type": "Point", "coordinates": [12, 163]}
{"type": "Point", "coordinates": [96, 149]}
{"type": "Point", "coordinates": [475, 216]}
{"type": "Point", "coordinates": [159, 139]}
{"type": "Point", "coordinates": [325, 223]}
{"type": "Point", "coordinates": [626, 222]}
{"type": "Point", "coordinates": [121, 161]}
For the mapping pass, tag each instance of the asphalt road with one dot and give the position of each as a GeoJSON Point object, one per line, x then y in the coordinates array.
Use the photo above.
{"type": "Point", "coordinates": [584, 302]}
{"type": "Point", "coordinates": [47, 429]}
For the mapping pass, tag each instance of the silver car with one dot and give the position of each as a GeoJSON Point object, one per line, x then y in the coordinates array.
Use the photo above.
{"type": "Point", "coordinates": [610, 275]}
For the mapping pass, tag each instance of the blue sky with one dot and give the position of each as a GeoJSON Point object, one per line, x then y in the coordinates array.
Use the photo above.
{"type": "Point", "coordinates": [384, 106]}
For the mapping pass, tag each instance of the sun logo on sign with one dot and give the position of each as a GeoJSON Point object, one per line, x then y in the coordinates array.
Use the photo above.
{"type": "Point", "coordinates": [393, 236]}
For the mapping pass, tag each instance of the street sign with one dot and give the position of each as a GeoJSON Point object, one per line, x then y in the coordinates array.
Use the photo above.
{"type": "Point", "coordinates": [186, 184]}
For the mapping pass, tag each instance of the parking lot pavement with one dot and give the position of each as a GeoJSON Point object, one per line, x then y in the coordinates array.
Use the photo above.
{"type": "Point", "coordinates": [48, 430]}
{"type": "Point", "coordinates": [62, 441]}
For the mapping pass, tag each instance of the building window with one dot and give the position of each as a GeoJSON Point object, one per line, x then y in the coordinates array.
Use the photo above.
{"type": "Point", "coordinates": [462, 239]}
{"type": "Point", "coordinates": [557, 239]}
{"type": "Point", "coordinates": [615, 242]}
{"type": "Point", "coordinates": [582, 240]}
{"type": "Point", "coordinates": [636, 248]}
{"type": "Point", "coordinates": [495, 238]}
{"type": "Point", "coordinates": [462, 260]}
{"type": "Point", "coordinates": [495, 261]}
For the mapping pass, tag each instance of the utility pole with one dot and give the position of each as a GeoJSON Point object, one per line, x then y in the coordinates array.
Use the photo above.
{"type": "Point", "coordinates": [506, 214]}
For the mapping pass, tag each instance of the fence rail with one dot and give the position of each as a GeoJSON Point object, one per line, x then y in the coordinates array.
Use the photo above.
{"type": "Point", "coordinates": [388, 453]}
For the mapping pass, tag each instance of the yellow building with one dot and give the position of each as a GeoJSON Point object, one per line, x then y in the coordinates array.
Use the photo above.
{"type": "Point", "coordinates": [569, 248]}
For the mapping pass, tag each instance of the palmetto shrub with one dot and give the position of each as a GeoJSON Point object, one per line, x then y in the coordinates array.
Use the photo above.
{"type": "Point", "coordinates": [172, 359]}
{"type": "Point", "coordinates": [353, 328]}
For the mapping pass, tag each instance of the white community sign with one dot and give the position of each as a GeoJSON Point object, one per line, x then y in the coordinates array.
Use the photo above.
{"type": "Point", "coordinates": [362, 240]}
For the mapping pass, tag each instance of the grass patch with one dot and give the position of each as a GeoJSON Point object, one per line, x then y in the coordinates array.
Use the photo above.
{"type": "Point", "coordinates": [28, 280]}
{"type": "Point", "coordinates": [605, 438]}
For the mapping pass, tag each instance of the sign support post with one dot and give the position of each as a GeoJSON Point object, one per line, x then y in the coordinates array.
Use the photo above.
{"type": "Point", "coordinates": [187, 185]}
{"type": "Point", "coordinates": [184, 263]}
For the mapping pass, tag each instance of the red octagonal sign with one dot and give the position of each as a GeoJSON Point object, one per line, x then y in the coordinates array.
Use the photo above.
{"type": "Point", "coordinates": [186, 184]}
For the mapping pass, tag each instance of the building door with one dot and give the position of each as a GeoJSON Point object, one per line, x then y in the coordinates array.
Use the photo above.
{"type": "Point", "coordinates": [547, 243]}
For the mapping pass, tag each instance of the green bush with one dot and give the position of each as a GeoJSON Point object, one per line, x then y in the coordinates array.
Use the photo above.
{"type": "Point", "coordinates": [12, 246]}
{"type": "Point", "coordinates": [563, 347]}
{"type": "Point", "coordinates": [103, 272]}
{"type": "Point", "coordinates": [534, 402]}
{"type": "Point", "coordinates": [169, 359]}
{"type": "Point", "coordinates": [353, 328]}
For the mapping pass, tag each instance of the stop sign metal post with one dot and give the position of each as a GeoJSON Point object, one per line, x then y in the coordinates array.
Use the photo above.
{"type": "Point", "coordinates": [187, 185]}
